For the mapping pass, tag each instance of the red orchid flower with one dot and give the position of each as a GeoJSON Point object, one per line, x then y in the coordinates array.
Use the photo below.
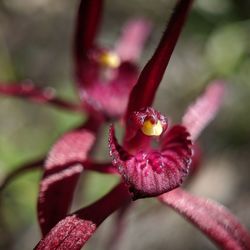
{"type": "Point", "coordinates": [147, 170]}
{"type": "Point", "coordinates": [156, 171]}
{"type": "Point", "coordinates": [104, 76]}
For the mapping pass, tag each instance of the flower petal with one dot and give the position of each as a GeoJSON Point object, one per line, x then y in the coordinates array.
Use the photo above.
{"type": "Point", "coordinates": [74, 231]}
{"type": "Point", "coordinates": [211, 218]}
{"type": "Point", "coordinates": [70, 233]}
{"type": "Point", "coordinates": [61, 175]}
{"type": "Point", "coordinates": [29, 91]}
{"type": "Point", "coordinates": [131, 42]}
{"type": "Point", "coordinates": [200, 113]}
{"type": "Point", "coordinates": [72, 147]}
{"type": "Point", "coordinates": [87, 22]}
{"type": "Point", "coordinates": [150, 173]}
{"type": "Point", "coordinates": [55, 196]}
{"type": "Point", "coordinates": [152, 73]}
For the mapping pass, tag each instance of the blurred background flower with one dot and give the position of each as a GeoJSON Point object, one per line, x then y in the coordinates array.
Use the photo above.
{"type": "Point", "coordinates": [36, 43]}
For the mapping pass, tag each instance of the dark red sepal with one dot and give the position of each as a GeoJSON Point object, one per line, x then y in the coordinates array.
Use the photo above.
{"type": "Point", "coordinates": [60, 176]}
{"type": "Point", "coordinates": [75, 230]}
{"type": "Point", "coordinates": [70, 233]}
{"type": "Point", "coordinates": [153, 72]}
{"type": "Point", "coordinates": [213, 219]}
{"type": "Point", "coordinates": [87, 23]}
{"type": "Point", "coordinates": [55, 196]}
{"type": "Point", "coordinates": [151, 173]}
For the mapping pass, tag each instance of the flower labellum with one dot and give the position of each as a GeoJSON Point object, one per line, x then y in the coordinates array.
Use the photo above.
{"type": "Point", "coordinates": [152, 171]}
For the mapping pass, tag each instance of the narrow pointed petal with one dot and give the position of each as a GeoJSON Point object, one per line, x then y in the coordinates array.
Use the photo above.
{"type": "Point", "coordinates": [37, 164]}
{"type": "Point", "coordinates": [203, 111]}
{"type": "Point", "coordinates": [29, 91]}
{"type": "Point", "coordinates": [74, 231]}
{"type": "Point", "coordinates": [87, 22]}
{"type": "Point", "coordinates": [153, 72]}
{"type": "Point", "coordinates": [213, 219]}
{"type": "Point", "coordinates": [132, 40]}
{"type": "Point", "coordinates": [61, 175]}
{"type": "Point", "coordinates": [151, 173]}
{"type": "Point", "coordinates": [55, 196]}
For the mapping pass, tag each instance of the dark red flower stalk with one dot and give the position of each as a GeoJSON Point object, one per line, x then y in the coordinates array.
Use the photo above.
{"type": "Point", "coordinates": [28, 90]}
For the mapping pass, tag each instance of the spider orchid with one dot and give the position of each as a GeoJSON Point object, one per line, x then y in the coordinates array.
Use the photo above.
{"type": "Point", "coordinates": [146, 169]}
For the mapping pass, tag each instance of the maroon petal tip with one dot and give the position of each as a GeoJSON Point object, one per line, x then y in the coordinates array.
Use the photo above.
{"type": "Point", "coordinates": [70, 233]}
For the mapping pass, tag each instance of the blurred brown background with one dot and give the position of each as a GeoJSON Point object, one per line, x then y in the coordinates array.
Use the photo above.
{"type": "Point", "coordinates": [35, 43]}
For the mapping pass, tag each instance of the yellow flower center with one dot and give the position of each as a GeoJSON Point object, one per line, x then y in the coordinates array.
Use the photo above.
{"type": "Point", "coordinates": [152, 129]}
{"type": "Point", "coordinates": [110, 59]}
